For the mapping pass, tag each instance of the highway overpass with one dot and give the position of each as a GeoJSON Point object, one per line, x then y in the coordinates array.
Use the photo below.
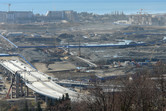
{"type": "Point", "coordinates": [39, 82]}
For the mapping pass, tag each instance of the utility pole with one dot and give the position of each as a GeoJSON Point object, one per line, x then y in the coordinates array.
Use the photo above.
{"type": "Point", "coordinates": [79, 51]}
{"type": "Point", "coordinates": [9, 5]}
{"type": "Point", "coordinates": [68, 47]}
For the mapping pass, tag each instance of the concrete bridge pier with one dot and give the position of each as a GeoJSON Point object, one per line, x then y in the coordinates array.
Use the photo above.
{"type": "Point", "coordinates": [46, 100]}
{"type": "Point", "coordinates": [18, 88]}
{"type": "Point", "coordinates": [11, 90]}
{"type": "Point", "coordinates": [17, 85]}
{"type": "Point", "coordinates": [36, 97]}
{"type": "Point", "coordinates": [27, 91]}
{"type": "Point", "coordinates": [21, 86]}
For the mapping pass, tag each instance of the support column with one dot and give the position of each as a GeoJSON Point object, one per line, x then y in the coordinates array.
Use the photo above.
{"type": "Point", "coordinates": [17, 85]}
{"type": "Point", "coordinates": [36, 97]}
{"type": "Point", "coordinates": [46, 100]}
{"type": "Point", "coordinates": [22, 92]}
{"type": "Point", "coordinates": [12, 80]}
{"type": "Point", "coordinates": [27, 91]}
{"type": "Point", "coordinates": [68, 49]}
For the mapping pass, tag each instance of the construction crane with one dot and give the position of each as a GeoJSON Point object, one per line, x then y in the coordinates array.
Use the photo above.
{"type": "Point", "coordinates": [140, 11]}
{"type": "Point", "coordinates": [142, 14]}
{"type": "Point", "coordinates": [8, 4]}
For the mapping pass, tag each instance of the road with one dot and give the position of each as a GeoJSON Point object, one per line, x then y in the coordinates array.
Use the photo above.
{"type": "Point", "coordinates": [37, 81]}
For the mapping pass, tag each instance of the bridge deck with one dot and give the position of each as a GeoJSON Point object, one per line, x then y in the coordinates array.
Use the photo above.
{"type": "Point", "coordinates": [37, 81]}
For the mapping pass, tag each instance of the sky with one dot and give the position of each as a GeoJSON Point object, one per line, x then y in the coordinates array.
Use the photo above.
{"type": "Point", "coordinates": [94, 6]}
{"type": "Point", "coordinates": [33, 1]}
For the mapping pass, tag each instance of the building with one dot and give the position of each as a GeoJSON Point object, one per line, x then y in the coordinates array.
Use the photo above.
{"type": "Point", "coordinates": [19, 16]}
{"type": "Point", "coordinates": [28, 16]}
{"type": "Point", "coordinates": [59, 15]}
{"type": "Point", "coordinates": [146, 19]}
{"type": "Point", "coordinates": [121, 22]}
{"type": "Point", "coordinates": [71, 15]}
{"type": "Point", "coordinates": [62, 15]}
{"type": "Point", "coordinates": [2, 16]}
{"type": "Point", "coordinates": [16, 16]}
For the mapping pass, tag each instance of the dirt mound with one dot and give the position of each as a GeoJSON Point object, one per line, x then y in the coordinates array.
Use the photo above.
{"type": "Point", "coordinates": [136, 28]}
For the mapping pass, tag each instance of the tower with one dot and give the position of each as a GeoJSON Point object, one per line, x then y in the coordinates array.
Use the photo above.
{"type": "Point", "coordinates": [9, 5]}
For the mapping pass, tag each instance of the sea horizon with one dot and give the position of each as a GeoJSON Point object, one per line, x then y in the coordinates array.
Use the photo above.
{"type": "Point", "coordinates": [90, 7]}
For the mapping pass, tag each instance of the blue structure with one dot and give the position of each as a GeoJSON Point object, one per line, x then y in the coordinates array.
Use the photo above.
{"type": "Point", "coordinates": [9, 41]}
{"type": "Point", "coordinates": [26, 60]}
{"type": "Point", "coordinates": [84, 46]}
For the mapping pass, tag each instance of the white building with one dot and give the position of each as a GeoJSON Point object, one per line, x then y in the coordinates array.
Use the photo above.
{"type": "Point", "coordinates": [55, 14]}
{"type": "Point", "coordinates": [62, 15]}
{"type": "Point", "coordinates": [16, 16]}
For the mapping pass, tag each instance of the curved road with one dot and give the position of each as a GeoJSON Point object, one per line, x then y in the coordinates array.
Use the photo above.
{"type": "Point", "coordinates": [37, 81]}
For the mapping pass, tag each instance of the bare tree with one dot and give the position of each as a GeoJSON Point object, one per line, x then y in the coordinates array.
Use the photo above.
{"type": "Point", "coordinates": [160, 78]}
{"type": "Point", "coordinates": [102, 98]}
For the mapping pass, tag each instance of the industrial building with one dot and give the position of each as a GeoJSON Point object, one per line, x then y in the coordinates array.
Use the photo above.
{"type": "Point", "coordinates": [146, 19]}
{"type": "Point", "coordinates": [62, 15]}
{"type": "Point", "coordinates": [29, 16]}
{"type": "Point", "coordinates": [16, 16]}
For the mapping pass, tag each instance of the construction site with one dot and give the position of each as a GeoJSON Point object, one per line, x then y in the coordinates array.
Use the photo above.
{"type": "Point", "coordinates": [42, 61]}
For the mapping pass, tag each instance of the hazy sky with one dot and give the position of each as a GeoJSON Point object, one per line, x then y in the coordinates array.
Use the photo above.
{"type": "Point", "coordinates": [56, 1]}
{"type": "Point", "coordinates": [96, 6]}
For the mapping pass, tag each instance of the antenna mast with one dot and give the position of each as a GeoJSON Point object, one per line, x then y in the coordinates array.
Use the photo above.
{"type": "Point", "coordinates": [9, 5]}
